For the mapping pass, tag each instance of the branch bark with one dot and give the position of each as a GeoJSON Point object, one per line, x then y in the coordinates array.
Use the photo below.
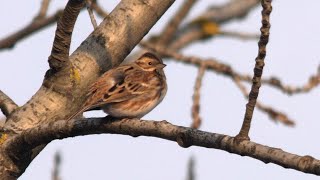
{"type": "Point", "coordinates": [60, 50]}
{"type": "Point", "coordinates": [258, 69]}
{"type": "Point", "coordinates": [62, 94]}
{"type": "Point", "coordinates": [184, 136]}
{"type": "Point", "coordinates": [7, 105]}
{"type": "Point", "coordinates": [34, 26]}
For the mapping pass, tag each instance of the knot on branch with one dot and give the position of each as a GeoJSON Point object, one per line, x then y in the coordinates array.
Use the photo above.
{"type": "Point", "coordinates": [184, 139]}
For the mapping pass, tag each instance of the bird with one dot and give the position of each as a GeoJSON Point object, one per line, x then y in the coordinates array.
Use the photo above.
{"type": "Point", "coordinates": [130, 90]}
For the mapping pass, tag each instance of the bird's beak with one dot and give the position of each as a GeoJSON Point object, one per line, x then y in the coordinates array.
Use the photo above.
{"type": "Point", "coordinates": [161, 66]}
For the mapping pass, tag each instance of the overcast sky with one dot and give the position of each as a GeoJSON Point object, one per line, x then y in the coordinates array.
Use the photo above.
{"type": "Point", "coordinates": [292, 55]}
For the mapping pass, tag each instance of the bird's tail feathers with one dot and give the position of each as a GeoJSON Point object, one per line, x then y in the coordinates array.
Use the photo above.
{"type": "Point", "coordinates": [77, 113]}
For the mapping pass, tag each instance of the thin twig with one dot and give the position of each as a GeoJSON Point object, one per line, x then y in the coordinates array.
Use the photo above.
{"type": "Point", "coordinates": [313, 82]}
{"type": "Point", "coordinates": [98, 9]}
{"type": "Point", "coordinates": [172, 26]}
{"type": "Point", "coordinates": [195, 110]}
{"type": "Point", "coordinates": [56, 166]}
{"type": "Point", "coordinates": [191, 174]}
{"type": "Point", "coordinates": [228, 11]}
{"type": "Point", "coordinates": [276, 115]}
{"type": "Point", "coordinates": [43, 10]}
{"type": "Point", "coordinates": [28, 30]}
{"type": "Point", "coordinates": [92, 18]}
{"type": "Point", "coordinates": [220, 15]}
{"type": "Point", "coordinates": [213, 65]}
{"type": "Point", "coordinates": [240, 35]}
{"type": "Point", "coordinates": [258, 70]}
{"type": "Point", "coordinates": [7, 105]}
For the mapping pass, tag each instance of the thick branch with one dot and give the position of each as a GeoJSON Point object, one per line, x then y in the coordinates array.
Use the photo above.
{"type": "Point", "coordinates": [7, 105]}
{"type": "Point", "coordinates": [184, 136]}
{"type": "Point", "coordinates": [105, 48]}
{"type": "Point", "coordinates": [61, 45]}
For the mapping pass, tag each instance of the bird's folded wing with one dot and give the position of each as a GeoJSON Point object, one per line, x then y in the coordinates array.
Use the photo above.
{"type": "Point", "coordinates": [117, 85]}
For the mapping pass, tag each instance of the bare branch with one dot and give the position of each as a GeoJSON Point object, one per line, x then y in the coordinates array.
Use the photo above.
{"type": "Point", "coordinates": [193, 31]}
{"type": "Point", "coordinates": [92, 18]}
{"type": "Point", "coordinates": [172, 26]}
{"type": "Point", "coordinates": [277, 116]}
{"type": "Point", "coordinates": [258, 69]}
{"type": "Point", "coordinates": [61, 45]}
{"type": "Point", "coordinates": [195, 110]}
{"type": "Point", "coordinates": [226, 12]}
{"type": "Point", "coordinates": [240, 35]}
{"type": "Point", "coordinates": [97, 8]}
{"type": "Point", "coordinates": [213, 65]}
{"type": "Point", "coordinates": [7, 105]}
{"type": "Point", "coordinates": [191, 175]}
{"type": "Point", "coordinates": [56, 166]}
{"type": "Point", "coordinates": [28, 30]}
{"type": "Point", "coordinates": [184, 136]}
{"type": "Point", "coordinates": [63, 93]}
{"type": "Point", "coordinates": [43, 10]}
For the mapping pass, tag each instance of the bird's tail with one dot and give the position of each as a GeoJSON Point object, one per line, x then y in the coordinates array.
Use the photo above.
{"type": "Point", "coordinates": [77, 113]}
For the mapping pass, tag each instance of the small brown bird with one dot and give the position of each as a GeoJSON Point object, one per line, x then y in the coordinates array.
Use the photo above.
{"type": "Point", "coordinates": [130, 90]}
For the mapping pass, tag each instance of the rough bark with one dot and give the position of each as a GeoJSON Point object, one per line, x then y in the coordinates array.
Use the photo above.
{"type": "Point", "coordinates": [62, 93]}
{"type": "Point", "coordinates": [184, 136]}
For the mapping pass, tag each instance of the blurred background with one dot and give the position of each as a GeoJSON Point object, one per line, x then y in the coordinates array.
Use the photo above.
{"type": "Point", "coordinates": [292, 55]}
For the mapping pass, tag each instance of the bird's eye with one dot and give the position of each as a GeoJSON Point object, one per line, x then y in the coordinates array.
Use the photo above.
{"type": "Point", "coordinates": [150, 63]}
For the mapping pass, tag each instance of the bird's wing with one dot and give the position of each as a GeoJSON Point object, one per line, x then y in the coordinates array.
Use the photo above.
{"type": "Point", "coordinates": [118, 85]}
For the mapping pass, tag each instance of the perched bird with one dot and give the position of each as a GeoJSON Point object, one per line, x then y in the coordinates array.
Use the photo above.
{"type": "Point", "coordinates": [131, 90]}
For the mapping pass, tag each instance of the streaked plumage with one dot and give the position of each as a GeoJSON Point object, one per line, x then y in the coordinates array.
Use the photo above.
{"type": "Point", "coordinates": [130, 90]}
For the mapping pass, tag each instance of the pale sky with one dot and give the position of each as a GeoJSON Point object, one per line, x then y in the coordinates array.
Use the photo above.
{"type": "Point", "coordinates": [292, 55]}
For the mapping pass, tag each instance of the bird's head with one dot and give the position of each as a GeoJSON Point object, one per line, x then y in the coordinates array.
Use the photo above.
{"type": "Point", "coordinates": [150, 62]}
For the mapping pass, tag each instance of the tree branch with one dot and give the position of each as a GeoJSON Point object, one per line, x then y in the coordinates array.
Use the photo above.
{"type": "Point", "coordinates": [195, 110]}
{"type": "Point", "coordinates": [190, 171]}
{"type": "Point", "coordinates": [276, 115]}
{"type": "Point", "coordinates": [43, 10]}
{"type": "Point", "coordinates": [90, 12]}
{"type": "Point", "coordinates": [193, 31]}
{"type": "Point", "coordinates": [56, 166]}
{"type": "Point", "coordinates": [62, 94]}
{"type": "Point", "coordinates": [61, 45]}
{"type": "Point", "coordinates": [258, 69]}
{"type": "Point", "coordinates": [7, 105]}
{"type": "Point", "coordinates": [172, 26]}
{"type": "Point", "coordinates": [28, 30]}
{"type": "Point", "coordinates": [98, 9]}
{"type": "Point", "coordinates": [218, 67]}
{"type": "Point", "coordinates": [184, 136]}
